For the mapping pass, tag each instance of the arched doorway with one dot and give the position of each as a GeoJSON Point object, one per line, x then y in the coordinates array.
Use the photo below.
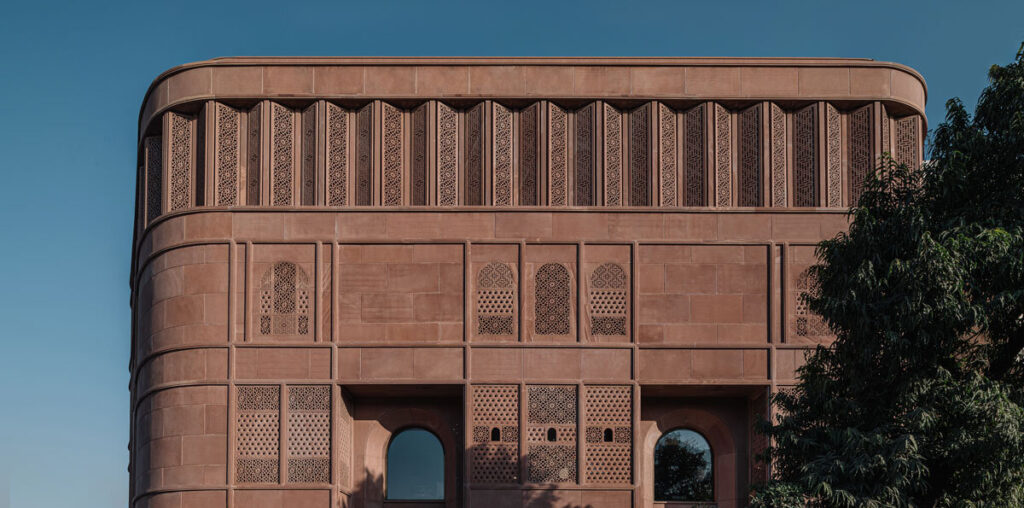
{"type": "Point", "coordinates": [414, 467]}
{"type": "Point", "coordinates": [683, 467]}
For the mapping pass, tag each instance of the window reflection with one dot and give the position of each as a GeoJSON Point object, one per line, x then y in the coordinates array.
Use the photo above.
{"type": "Point", "coordinates": [415, 466]}
{"type": "Point", "coordinates": [683, 467]}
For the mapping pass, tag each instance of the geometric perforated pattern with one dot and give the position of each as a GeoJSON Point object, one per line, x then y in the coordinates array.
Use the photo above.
{"type": "Point", "coordinates": [667, 142]}
{"type": "Point", "coordinates": [640, 156]}
{"type": "Point", "coordinates": [181, 162]}
{"type": "Point", "coordinates": [859, 147]}
{"type": "Point", "coordinates": [284, 303]}
{"type": "Point", "coordinates": [283, 157]}
{"type": "Point", "coordinates": [696, 168]}
{"type": "Point", "coordinates": [392, 159]}
{"type": "Point", "coordinates": [253, 169]}
{"type": "Point", "coordinates": [608, 448]}
{"type": "Point", "coordinates": [833, 173]}
{"type": "Point", "coordinates": [227, 155]}
{"type": "Point", "coordinates": [552, 433]}
{"type": "Point", "coordinates": [309, 434]}
{"type": "Point", "coordinates": [307, 180]}
{"type": "Point", "coordinates": [496, 299]}
{"type": "Point", "coordinates": [495, 414]}
{"type": "Point", "coordinates": [337, 156]}
{"type": "Point", "coordinates": [908, 141]}
{"type": "Point", "coordinates": [154, 177]}
{"type": "Point", "coordinates": [805, 157]}
{"type": "Point", "coordinates": [608, 300]}
{"type": "Point", "coordinates": [257, 435]}
{"type": "Point", "coordinates": [557, 154]}
{"type": "Point", "coordinates": [418, 164]}
{"type": "Point", "coordinates": [778, 137]}
{"type": "Point", "coordinates": [447, 156]}
{"type": "Point", "coordinates": [585, 160]}
{"type": "Point", "coordinates": [552, 306]}
{"type": "Point", "coordinates": [749, 170]}
{"type": "Point", "coordinates": [612, 156]}
{"type": "Point", "coordinates": [528, 159]}
{"type": "Point", "coordinates": [474, 158]}
{"type": "Point", "coordinates": [886, 142]}
{"type": "Point", "coordinates": [502, 144]}
{"type": "Point", "coordinates": [364, 157]}
{"type": "Point", "coordinates": [808, 324]}
{"type": "Point", "coordinates": [723, 156]}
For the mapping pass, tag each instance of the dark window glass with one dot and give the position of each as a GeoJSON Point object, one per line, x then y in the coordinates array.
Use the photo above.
{"type": "Point", "coordinates": [552, 435]}
{"type": "Point", "coordinates": [682, 467]}
{"type": "Point", "coordinates": [495, 434]}
{"type": "Point", "coordinates": [608, 435]}
{"type": "Point", "coordinates": [415, 468]}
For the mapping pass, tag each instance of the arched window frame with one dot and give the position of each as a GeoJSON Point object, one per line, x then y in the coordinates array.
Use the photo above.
{"type": "Point", "coordinates": [711, 451]}
{"type": "Point", "coordinates": [387, 456]}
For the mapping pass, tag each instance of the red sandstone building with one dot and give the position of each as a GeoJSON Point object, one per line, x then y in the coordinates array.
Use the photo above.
{"type": "Point", "coordinates": [544, 265]}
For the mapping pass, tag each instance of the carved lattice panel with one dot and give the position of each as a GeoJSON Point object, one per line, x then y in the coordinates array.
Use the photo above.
{"type": "Point", "coordinates": [609, 297]}
{"type": "Point", "coordinates": [154, 177]}
{"type": "Point", "coordinates": [474, 155]}
{"type": "Point", "coordinates": [551, 439]}
{"type": "Point", "coordinates": [228, 162]}
{"type": "Point", "coordinates": [309, 434]}
{"type": "Point", "coordinates": [749, 191]}
{"type": "Point", "coordinates": [391, 159]}
{"type": "Point", "coordinates": [723, 156]}
{"type": "Point", "coordinates": [252, 160]}
{"type": "Point", "coordinates": [558, 155]}
{"type": "Point", "coordinates": [860, 153]}
{"type": "Point", "coordinates": [418, 162]}
{"type": "Point", "coordinates": [886, 136]}
{"type": "Point", "coordinates": [908, 141]}
{"type": "Point", "coordinates": [807, 324]}
{"type": "Point", "coordinates": [307, 174]}
{"type": "Point", "coordinates": [529, 161]}
{"type": "Point", "coordinates": [609, 437]}
{"type": "Point", "coordinates": [667, 155]}
{"type": "Point", "coordinates": [696, 159]}
{"type": "Point", "coordinates": [552, 295]}
{"type": "Point", "coordinates": [778, 156]}
{"type": "Point", "coordinates": [495, 449]}
{"type": "Point", "coordinates": [805, 157]}
{"type": "Point", "coordinates": [640, 156]}
{"type": "Point", "coordinates": [502, 153]}
{"type": "Point", "coordinates": [282, 161]}
{"type": "Point", "coordinates": [585, 160]}
{"type": "Point", "coordinates": [447, 155]}
{"type": "Point", "coordinates": [337, 155]}
{"type": "Point", "coordinates": [257, 434]}
{"type": "Point", "coordinates": [496, 300]}
{"type": "Point", "coordinates": [364, 156]}
{"type": "Point", "coordinates": [612, 156]}
{"type": "Point", "coordinates": [284, 301]}
{"type": "Point", "coordinates": [180, 165]}
{"type": "Point", "coordinates": [833, 157]}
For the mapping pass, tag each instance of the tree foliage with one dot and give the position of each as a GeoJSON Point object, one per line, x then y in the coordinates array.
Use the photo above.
{"type": "Point", "coordinates": [919, 402]}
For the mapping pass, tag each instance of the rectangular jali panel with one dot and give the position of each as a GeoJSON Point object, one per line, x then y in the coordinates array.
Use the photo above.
{"type": "Point", "coordinates": [474, 155]}
{"type": "Point", "coordinates": [418, 162]}
{"type": "Point", "coordinates": [252, 168]}
{"type": "Point", "coordinates": [779, 186]}
{"type": "Point", "coordinates": [154, 177]}
{"type": "Point", "coordinates": [392, 157]}
{"type": "Point", "coordinates": [834, 157]}
{"type": "Point", "coordinates": [696, 160]}
{"type": "Point", "coordinates": [667, 155]}
{"type": "Point", "coordinates": [860, 153]}
{"type": "Point", "coordinates": [529, 159]}
{"type": "Point", "coordinates": [551, 438]}
{"type": "Point", "coordinates": [558, 156]}
{"type": "Point", "coordinates": [180, 162]}
{"type": "Point", "coordinates": [257, 434]}
{"type": "Point", "coordinates": [585, 160]}
{"type": "Point", "coordinates": [723, 156]}
{"type": "Point", "coordinates": [908, 141]}
{"type": "Point", "coordinates": [640, 156]}
{"type": "Point", "coordinates": [227, 162]}
{"type": "Point", "coordinates": [612, 156]}
{"type": "Point", "coordinates": [502, 154]}
{"type": "Point", "coordinates": [307, 176]}
{"type": "Point", "coordinates": [282, 162]}
{"type": "Point", "coordinates": [805, 156]}
{"type": "Point", "coordinates": [364, 156]}
{"type": "Point", "coordinates": [495, 447]}
{"type": "Point", "coordinates": [749, 191]}
{"type": "Point", "coordinates": [337, 156]}
{"type": "Point", "coordinates": [609, 434]}
{"type": "Point", "coordinates": [309, 434]}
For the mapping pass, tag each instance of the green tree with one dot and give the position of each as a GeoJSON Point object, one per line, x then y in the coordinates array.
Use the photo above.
{"type": "Point", "coordinates": [920, 400]}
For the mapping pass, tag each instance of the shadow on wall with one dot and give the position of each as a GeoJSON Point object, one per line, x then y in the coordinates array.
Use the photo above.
{"type": "Point", "coordinates": [496, 479]}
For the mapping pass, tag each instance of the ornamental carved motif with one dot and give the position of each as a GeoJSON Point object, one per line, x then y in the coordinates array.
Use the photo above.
{"type": "Point", "coordinates": [154, 177]}
{"type": "Point", "coordinates": [552, 300]}
{"type": "Point", "coordinates": [253, 169]}
{"type": "Point", "coordinates": [908, 139]}
{"type": "Point", "coordinates": [309, 434]}
{"type": "Point", "coordinates": [447, 156]}
{"type": "Point", "coordinates": [180, 174]}
{"type": "Point", "coordinates": [640, 156]}
{"type": "Point", "coordinates": [257, 441]}
{"type": "Point", "coordinates": [778, 161]}
{"type": "Point", "coordinates": [805, 157]}
{"type": "Point", "coordinates": [337, 156]}
{"type": "Point", "coordinates": [283, 159]}
{"type": "Point", "coordinates": [558, 155]}
{"type": "Point", "coordinates": [474, 158]}
{"type": "Point", "coordinates": [528, 159]}
{"type": "Point", "coordinates": [552, 434]}
{"type": "Point", "coordinates": [392, 157]}
{"type": "Point", "coordinates": [496, 297]}
{"type": "Point", "coordinates": [749, 170]}
{"type": "Point", "coordinates": [834, 157]}
{"type": "Point", "coordinates": [227, 160]}
{"type": "Point", "coordinates": [612, 156]}
{"type": "Point", "coordinates": [495, 452]}
{"type": "Point", "coordinates": [364, 157]}
{"type": "Point", "coordinates": [307, 177]}
{"type": "Point", "coordinates": [609, 438]}
{"type": "Point", "coordinates": [696, 166]}
{"type": "Point", "coordinates": [284, 304]}
{"type": "Point", "coordinates": [723, 156]}
{"type": "Point", "coordinates": [860, 157]}
{"type": "Point", "coordinates": [502, 144]}
{"type": "Point", "coordinates": [585, 161]}
{"type": "Point", "coordinates": [608, 300]}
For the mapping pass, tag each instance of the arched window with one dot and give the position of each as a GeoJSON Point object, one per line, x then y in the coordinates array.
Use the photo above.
{"type": "Point", "coordinates": [551, 301]}
{"type": "Point", "coordinates": [683, 467]}
{"type": "Point", "coordinates": [284, 307]}
{"type": "Point", "coordinates": [415, 467]}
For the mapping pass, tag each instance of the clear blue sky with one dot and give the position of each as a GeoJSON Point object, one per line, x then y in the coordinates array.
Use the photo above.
{"type": "Point", "coordinates": [72, 77]}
